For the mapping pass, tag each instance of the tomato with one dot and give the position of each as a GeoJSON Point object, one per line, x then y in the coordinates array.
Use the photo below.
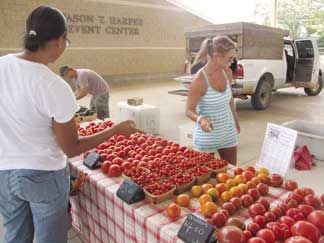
{"type": "Point", "coordinates": [247, 235]}
{"type": "Point", "coordinates": [290, 185]}
{"type": "Point", "coordinates": [277, 211]}
{"type": "Point", "coordinates": [247, 200]}
{"type": "Point", "coordinates": [237, 202]}
{"type": "Point", "coordinates": [312, 200]}
{"type": "Point", "coordinates": [253, 228]}
{"type": "Point", "coordinates": [265, 203]}
{"type": "Point", "coordinates": [308, 191]}
{"type": "Point", "coordinates": [105, 166]}
{"type": "Point", "coordinates": [256, 209]}
{"type": "Point", "coordinates": [295, 213]}
{"type": "Point", "coordinates": [263, 189]}
{"type": "Point", "coordinates": [296, 196]}
{"type": "Point", "coordinates": [219, 219]}
{"type": "Point", "coordinates": [270, 217]}
{"type": "Point", "coordinates": [238, 170]}
{"type": "Point", "coordinates": [267, 235]}
{"type": "Point", "coordinates": [236, 221]}
{"type": "Point", "coordinates": [305, 209]}
{"type": "Point", "coordinates": [254, 193]}
{"type": "Point", "coordinates": [297, 239]}
{"type": "Point", "coordinates": [248, 175]}
{"type": "Point", "coordinates": [230, 207]}
{"type": "Point", "coordinates": [306, 229]}
{"type": "Point", "coordinates": [276, 180]}
{"type": "Point", "coordinates": [126, 166]}
{"type": "Point", "coordinates": [173, 211]}
{"type": "Point", "coordinates": [260, 220]}
{"type": "Point", "coordinates": [225, 212]}
{"type": "Point", "coordinates": [251, 168]}
{"type": "Point", "coordinates": [317, 218]}
{"type": "Point", "coordinates": [117, 161]}
{"type": "Point", "coordinates": [256, 240]}
{"type": "Point", "coordinates": [287, 220]}
{"type": "Point", "coordinates": [114, 170]}
{"type": "Point", "coordinates": [229, 234]}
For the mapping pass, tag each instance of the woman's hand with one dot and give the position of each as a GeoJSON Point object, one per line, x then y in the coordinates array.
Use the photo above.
{"type": "Point", "coordinates": [126, 128]}
{"type": "Point", "coordinates": [238, 128]}
{"type": "Point", "coordinates": [205, 124]}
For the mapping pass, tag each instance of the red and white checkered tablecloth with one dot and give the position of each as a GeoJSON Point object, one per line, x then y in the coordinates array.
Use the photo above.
{"type": "Point", "coordinates": [100, 216]}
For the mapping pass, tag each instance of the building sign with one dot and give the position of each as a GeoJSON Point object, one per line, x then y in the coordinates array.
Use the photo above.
{"type": "Point", "coordinates": [97, 24]}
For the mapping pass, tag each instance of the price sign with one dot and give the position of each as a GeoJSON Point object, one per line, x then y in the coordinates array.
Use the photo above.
{"type": "Point", "coordinates": [195, 230]}
{"type": "Point", "coordinates": [130, 192]}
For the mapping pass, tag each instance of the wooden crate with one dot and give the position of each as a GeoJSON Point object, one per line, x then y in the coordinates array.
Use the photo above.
{"type": "Point", "coordinates": [253, 41]}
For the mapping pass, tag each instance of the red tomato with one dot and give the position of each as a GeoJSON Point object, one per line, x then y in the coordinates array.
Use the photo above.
{"type": "Point", "coordinates": [230, 234]}
{"type": "Point", "coordinates": [277, 211]}
{"type": "Point", "coordinates": [253, 228]}
{"type": "Point", "coordinates": [263, 188]}
{"type": "Point", "coordinates": [297, 239]}
{"type": "Point", "coordinates": [265, 203]}
{"type": "Point", "coordinates": [126, 166]}
{"type": "Point", "coordinates": [260, 220]}
{"type": "Point", "coordinates": [230, 207]}
{"type": "Point", "coordinates": [256, 240]}
{"type": "Point", "coordinates": [290, 185]}
{"type": "Point", "coordinates": [312, 200]}
{"type": "Point", "coordinates": [317, 218]}
{"type": "Point", "coordinates": [270, 217]}
{"type": "Point", "coordinates": [105, 166]}
{"type": "Point", "coordinates": [247, 235]}
{"type": "Point", "coordinates": [276, 180]}
{"type": "Point", "coordinates": [306, 229]}
{"type": "Point", "coordinates": [117, 161]}
{"type": "Point", "coordinates": [267, 235]}
{"type": "Point", "coordinates": [308, 191]}
{"type": "Point", "coordinates": [256, 209]}
{"type": "Point", "coordinates": [287, 220]}
{"type": "Point", "coordinates": [219, 219]}
{"type": "Point", "coordinates": [238, 170]}
{"type": "Point", "coordinates": [251, 168]}
{"type": "Point", "coordinates": [114, 170]}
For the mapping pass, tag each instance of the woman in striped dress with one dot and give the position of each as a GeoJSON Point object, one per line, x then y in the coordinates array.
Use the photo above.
{"type": "Point", "coordinates": [210, 103]}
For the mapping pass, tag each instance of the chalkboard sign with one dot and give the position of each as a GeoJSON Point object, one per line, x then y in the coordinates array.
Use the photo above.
{"type": "Point", "coordinates": [92, 161]}
{"type": "Point", "coordinates": [130, 192]}
{"type": "Point", "coordinates": [196, 230]}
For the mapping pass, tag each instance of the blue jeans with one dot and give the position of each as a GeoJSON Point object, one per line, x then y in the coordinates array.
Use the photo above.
{"type": "Point", "coordinates": [34, 202]}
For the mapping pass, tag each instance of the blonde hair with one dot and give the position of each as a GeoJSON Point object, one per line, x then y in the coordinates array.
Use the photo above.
{"type": "Point", "coordinates": [219, 44]}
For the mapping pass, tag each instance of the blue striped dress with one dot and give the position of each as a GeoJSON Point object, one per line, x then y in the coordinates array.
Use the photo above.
{"type": "Point", "coordinates": [216, 106]}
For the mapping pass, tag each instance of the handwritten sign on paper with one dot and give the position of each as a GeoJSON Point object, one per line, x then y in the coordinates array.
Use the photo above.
{"type": "Point", "coordinates": [277, 150]}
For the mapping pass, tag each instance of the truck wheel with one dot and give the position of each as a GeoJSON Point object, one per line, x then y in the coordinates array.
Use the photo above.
{"type": "Point", "coordinates": [315, 90]}
{"type": "Point", "coordinates": [261, 99]}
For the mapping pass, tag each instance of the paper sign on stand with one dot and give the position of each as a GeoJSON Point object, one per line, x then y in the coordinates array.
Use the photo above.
{"type": "Point", "coordinates": [277, 150]}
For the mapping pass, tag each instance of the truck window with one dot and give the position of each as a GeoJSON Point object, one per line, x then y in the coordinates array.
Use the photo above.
{"type": "Point", "coordinates": [305, 49]}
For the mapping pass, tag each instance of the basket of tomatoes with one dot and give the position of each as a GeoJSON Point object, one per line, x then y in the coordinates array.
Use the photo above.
{"type": "Point", "coordinates": [183, 182]}
{"type": "Point", "coordinates": [159, 191]}
{"type": "Point", "coordinates": [201, 173]}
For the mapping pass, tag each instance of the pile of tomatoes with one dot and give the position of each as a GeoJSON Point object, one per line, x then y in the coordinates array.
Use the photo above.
{"type": "Point", "coordinates": [145, 159]}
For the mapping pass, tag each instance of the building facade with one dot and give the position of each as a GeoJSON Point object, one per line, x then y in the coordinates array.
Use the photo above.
{"type": "Point", "coordinates": [119, 39]}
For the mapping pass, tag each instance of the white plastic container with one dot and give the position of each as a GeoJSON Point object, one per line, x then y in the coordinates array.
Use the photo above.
{"type": "Point", "coordinates": [310, 134]}
{"type": "Point", "coordinates": [186, 134]}
{"type": "Point", "coordinates": [146, 117]}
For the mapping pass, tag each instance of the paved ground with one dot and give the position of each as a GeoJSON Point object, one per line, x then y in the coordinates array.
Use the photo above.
{"type": "Point", "coordinates": [288, 104]}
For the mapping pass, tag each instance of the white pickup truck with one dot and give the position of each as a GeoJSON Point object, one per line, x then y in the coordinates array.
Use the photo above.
{"type": "Point", "coordinates": [266, 61]}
